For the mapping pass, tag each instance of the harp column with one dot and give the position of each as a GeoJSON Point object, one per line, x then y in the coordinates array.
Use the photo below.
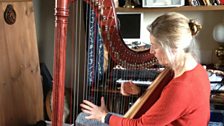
{"type": "Point", "coordinates": [60, 38]}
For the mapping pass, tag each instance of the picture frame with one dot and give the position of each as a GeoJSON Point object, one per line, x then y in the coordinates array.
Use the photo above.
{"type": "Point", "coordinates": [162, 3]}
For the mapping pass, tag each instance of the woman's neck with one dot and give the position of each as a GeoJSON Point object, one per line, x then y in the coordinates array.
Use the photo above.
{"type": "Point", "coordinates": [189, 64]}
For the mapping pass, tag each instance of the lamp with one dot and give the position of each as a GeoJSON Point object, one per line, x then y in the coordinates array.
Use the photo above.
{"type": "Point", "coordinates": [218, 35]}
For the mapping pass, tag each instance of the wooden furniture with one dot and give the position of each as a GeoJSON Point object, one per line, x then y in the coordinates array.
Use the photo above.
{"type": "Point", "coordinates": [182, 8]}
{"type": "Point", "coordinates": [21, 96]}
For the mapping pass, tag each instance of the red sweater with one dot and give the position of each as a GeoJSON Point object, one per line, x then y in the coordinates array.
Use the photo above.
{"type": "Point", "coordinates": [183, 102]}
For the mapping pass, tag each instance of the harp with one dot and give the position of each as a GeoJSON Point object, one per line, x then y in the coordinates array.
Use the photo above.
{"type": "Point", "coordinates": [107, 25]}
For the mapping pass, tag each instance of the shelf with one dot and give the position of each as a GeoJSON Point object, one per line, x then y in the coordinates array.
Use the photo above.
{"type": "Point", "coordinates": [169, 9]}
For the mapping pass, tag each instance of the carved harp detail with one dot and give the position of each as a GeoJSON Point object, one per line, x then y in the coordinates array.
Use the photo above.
{"type": "Point", "coordinates": [118, 50]}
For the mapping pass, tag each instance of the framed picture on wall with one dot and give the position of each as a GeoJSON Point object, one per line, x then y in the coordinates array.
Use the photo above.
{"type": "Point", "coordinates": [163, 3]}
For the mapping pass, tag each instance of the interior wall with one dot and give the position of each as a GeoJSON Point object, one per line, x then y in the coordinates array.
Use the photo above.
{"type": "Point", "coordinates": [208, 19]}
{"type": "Point", "coordinates": [45, 19]}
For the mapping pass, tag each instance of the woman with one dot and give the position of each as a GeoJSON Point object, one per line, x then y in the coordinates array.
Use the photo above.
{"type": "Point", "coordinates": [185, 100]}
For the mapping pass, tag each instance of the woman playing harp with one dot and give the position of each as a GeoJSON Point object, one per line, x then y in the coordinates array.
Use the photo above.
{"type": "Point", "coordinates": [185, 99]}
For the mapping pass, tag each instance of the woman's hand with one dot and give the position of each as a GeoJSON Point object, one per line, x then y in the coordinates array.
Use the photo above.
{"type": "Point", "coordinates": [129, 88]}
{"type": "Point", "coordinates": [94, 111]}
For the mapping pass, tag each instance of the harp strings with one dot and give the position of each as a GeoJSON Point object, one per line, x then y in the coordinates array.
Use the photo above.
{"type": "Point", "coordinates": [100, 76]}
{"type": "Point", "coordinates": [113, 99]}
{"type": "Point", "coordinates": [72, 72]}
{"type": "Point", "coordinates": [99, 71]}
{"type": "Point", "coordinates": [96, 75]}
{"type": "Point", "coordinates": [77, 62]}
{"type": "Point", "coordinates": [91, 53]}
{"type": "Point", "coordinates": [73, 68]}
{"type": "Point", "coordinates": [95, 53]}
{"type": "Point", "coordinates": [80, 11]}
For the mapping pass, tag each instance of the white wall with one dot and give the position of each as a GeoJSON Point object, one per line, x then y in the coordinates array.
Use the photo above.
{"type": "Point", "coordinates": [44, 19]}
{"type": "Point", "coordinates": [208, 19]}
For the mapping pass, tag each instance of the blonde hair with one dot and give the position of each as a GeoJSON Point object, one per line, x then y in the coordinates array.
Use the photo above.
{"type": "Point", "coordinates": [174, 31]}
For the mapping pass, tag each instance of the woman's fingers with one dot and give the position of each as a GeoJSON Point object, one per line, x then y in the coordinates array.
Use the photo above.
{"type": "Point", "coordinates": [124, 93]}
{"type": "Point", "coordinates": [94, 111]}
{"type": "Point", "coordinates": [129, 88]}
{"type": "Point", "coordinates": [89, 103]}
{"type": "Point", "coordinates": [86, 111]}
{"type": "Point", "coordinates": [123, 90]}
{"type": "Point", "coordinates": [90, 116]}
{"type": "Point", "coordinates": [87, 107]}
{"type": "Point", "coordinates": [102, 102]}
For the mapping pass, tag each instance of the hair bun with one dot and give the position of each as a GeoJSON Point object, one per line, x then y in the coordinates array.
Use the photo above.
{"type": "Point", "coordinates": [195, 27]}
